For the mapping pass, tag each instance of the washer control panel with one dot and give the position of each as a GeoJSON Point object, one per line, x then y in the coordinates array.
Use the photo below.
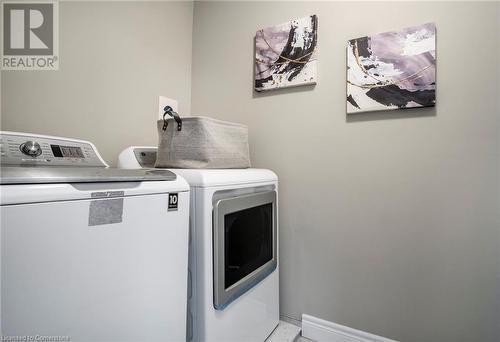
{"type": "Point", "coordinates": [30, 149]}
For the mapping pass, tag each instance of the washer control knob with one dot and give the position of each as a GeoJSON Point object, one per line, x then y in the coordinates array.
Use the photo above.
{"type": "Point", "coordinates": [31, 148]}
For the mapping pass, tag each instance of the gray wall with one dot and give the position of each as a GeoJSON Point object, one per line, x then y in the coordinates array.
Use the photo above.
{"type": "Point", "coordinates": [115, 59]}
{"type": "Point", "coordinates": [388, 220]}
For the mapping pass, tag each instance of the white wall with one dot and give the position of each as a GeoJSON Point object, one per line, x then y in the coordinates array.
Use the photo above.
{"type": "Point", "coordinates": [388, 220]}
{"type": "Point", "coordinates": [115, 59]}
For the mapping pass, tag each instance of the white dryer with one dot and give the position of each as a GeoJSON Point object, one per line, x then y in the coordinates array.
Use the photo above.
{"type": "Point", "coordinates": [89, 253]}
{"type": "Point", "coordinates": [234, 268]}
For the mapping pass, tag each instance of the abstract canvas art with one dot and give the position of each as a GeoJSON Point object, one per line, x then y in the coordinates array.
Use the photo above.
{"type": "Point", "coordinates": [392, 70]}
{"type": "Point", "coordinates": [285, 55]}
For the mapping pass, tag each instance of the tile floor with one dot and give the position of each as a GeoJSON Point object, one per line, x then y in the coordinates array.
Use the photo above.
{"type": "Point", "coordinates": [287, 332]}
{"type": "Point", "coordinates": [302, 339]}
{"type": "Point", "coordinates": [284, 332]}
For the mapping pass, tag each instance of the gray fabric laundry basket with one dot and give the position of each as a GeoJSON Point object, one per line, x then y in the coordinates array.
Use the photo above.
{"type": "Point", "coordinates": [201, 143]}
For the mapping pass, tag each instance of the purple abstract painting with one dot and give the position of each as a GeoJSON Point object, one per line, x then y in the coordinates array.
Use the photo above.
{"type": "Point", "coordinates": [392, 70]}
{"type": "Point", "coordinates": [285, 54]}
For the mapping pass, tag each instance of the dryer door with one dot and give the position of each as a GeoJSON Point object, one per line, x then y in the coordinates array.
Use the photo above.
{"type": "Point", "coordinates": [245, 248]}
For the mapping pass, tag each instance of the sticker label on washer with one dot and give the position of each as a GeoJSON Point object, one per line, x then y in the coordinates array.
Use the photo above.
{"type": "Point", "coordinates": [105, 211]}
{"type": "Point", "coordinates": [173, 200]}
{"type": "Point", "coordinates": [107, 194]}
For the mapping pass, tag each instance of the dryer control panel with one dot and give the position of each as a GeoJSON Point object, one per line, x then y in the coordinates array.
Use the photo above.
{"type": "Point", "coordinates": [146, 157]}
{"type": "Point", "coordinates": [41, 150]}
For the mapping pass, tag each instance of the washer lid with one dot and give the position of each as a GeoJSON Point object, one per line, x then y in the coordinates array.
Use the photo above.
{"type": "Point", "coordinates": [45, 175]}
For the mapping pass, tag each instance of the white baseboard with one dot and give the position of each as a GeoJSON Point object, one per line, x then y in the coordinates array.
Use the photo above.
{"type": "Point", "coordinates": [318, 329]}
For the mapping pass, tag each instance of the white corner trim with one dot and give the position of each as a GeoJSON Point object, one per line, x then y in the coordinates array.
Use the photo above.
{"type": "Point", "coordinates": [318, 329]}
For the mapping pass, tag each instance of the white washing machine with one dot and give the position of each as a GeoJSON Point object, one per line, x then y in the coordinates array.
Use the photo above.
{"type": "Point", "coordinates": [89, 253]}
{"type": "Point", "coordinates": [234, 269]}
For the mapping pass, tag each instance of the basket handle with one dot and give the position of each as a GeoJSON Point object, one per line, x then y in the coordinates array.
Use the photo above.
{"type": "Point", "coordinates": [168, 110]}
